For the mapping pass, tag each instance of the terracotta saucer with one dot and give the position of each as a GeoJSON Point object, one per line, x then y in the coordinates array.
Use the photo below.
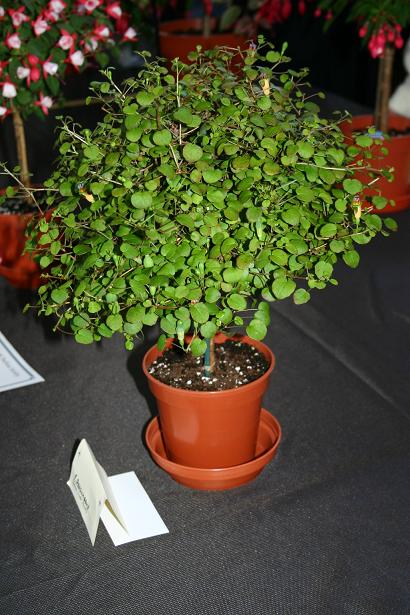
{"type": "Point", "coordinates": [217, 479]}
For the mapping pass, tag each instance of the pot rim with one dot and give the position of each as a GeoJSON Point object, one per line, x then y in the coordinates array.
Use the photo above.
{"type": "Point", "coordinates": [242, 387]}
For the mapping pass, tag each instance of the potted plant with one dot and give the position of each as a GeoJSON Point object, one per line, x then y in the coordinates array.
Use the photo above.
{"type": "Point", "coordinates": [202, 196]}
{"type": "Point", "coordinates": [221, 24]}
{"type": "Point", "coordinates": [380, 24]}
{"type": "Point", "coordinates": [41, 41]}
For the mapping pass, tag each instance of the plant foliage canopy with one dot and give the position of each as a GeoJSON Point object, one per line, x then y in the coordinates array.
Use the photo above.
{"type": "Point", "coordinates": [204, 194]}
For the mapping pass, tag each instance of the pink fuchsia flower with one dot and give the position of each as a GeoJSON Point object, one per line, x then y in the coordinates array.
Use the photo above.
{"type": "Point", "coordinates": [23, 72]}
{"type": "Point", "coordinates": [50, 68]}
{"type": "Point", "coordinates": [66, 41]}
{"type": "Point", "coordinates": [76, 58]}
{"type": "Point", "coordinates": [44, 102]}
{"type": "Point", "coordinates": [88, 6]}
{"type": "Point", "coordinates": [18, 16]}
{"type": "Point", "coordinates": [90, 44]}
{"type": "Point", "coordinates": [4, 111]}
{"type": "Point", "coordinates": [101, 32]}
{"type": "Point", "coordinates": [32, 72]}
{"type": "Point", "coordinates": [57, 6]}
{"type": "Point", "coordinates": [114, 10]}
{"type": "Point", "coordinates": [8, 89]}
{"type": "Point", "coordinates": [2, 12]}
{"type": "Point", "coordinates": [130, 35]}
{"type": "Point", "coordinates": [40, 25]}
{"type": "Point", "coordinates": [13, 41]}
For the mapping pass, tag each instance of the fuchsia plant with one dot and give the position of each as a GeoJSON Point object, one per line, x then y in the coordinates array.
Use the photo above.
{"type": "Point", "coordinates": [380, 24]}
{"type": "Point", "coordinates": [42, 40]}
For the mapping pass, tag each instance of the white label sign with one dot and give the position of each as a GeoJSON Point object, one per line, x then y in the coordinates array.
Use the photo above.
{"type": "Point", "coordinates": [121, 501]}
{"type": "Point", "coordinates": [14, 371]}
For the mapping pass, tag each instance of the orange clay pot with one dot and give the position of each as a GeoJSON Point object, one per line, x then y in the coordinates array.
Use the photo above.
{"type": "Point", "coordinates": [179, 37]}
{"type": "Point", "coordinates": [398, 157]}
{"type": "Point", "coordinates": [19, 269]}
{"type": "Point", "coordinates": [210, 429]}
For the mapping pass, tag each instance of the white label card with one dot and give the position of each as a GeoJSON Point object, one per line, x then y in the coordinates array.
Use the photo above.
{"type": "Point", "coordinates": [121, 501]}
{"type": "Point", "coordinates": [14, 371]}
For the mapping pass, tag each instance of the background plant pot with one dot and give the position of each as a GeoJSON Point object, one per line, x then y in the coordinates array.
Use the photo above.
{"type": "Point", "coordinates": [398, 157]}
{"type": "Point", "coordinates": [179, 37]}
{"type": "Point", "coordinates": [210, 429]}
{"type": "Point", "coordinates": [19, 269]}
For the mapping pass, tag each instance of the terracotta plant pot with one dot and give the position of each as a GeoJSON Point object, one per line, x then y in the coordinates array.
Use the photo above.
{"type": "Point", "coordinates": [398, 157]}
{"type": "Point", "coordinates": [19, 269]}
{"type": "Point", "coordinates": [210, 429]}
{"type": "Point", "coordinates": [179, 37]}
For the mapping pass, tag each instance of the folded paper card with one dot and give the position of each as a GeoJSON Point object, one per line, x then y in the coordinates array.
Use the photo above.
{"type": "Point", "coordinates": [14, 371]}
{"type": "Point", "coordinates": [120, 501]}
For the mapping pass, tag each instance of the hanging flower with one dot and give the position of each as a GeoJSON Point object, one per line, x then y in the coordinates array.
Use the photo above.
{"type": "Point", "coordinates": [76, 58]}
{"type": "Point", "coordinates": [8, 89]}
{"type": "Point", "coordinates": [57, 6]}
{"type": "Point", "coordinates": [101, 32]}
{"type": "Point", "coordinates": [66, 41]}
{"type": "Point", "coordinates": [4, 111]}
{"type": "Point", "coordinates": [50, 68]}
{"type": "Point", "coordinates": [88, 6]}
{"type": "Point", "coordinates": [40, 25]}
{"type": "Point", "coordinates": [13, 41]}
{"type": "Point", "coordinates": [23, 72]}
{"type": "Point", "coordinates": [18, 16]}
{"type": "Point", "coordinates": [2, 12]}
{"type": "Point", "coordinates": [44, 102]}
{"type": "Point", "coordinates": [130, 35]}
{"type": "Point", "coordinates": [114, 10]}
{"type": "Point", "coordinates": [90, 44]}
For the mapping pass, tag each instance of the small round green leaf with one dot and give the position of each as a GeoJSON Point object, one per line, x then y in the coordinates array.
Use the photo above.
{"type": "Point", "coordinates": [199, 312]}
{"type": "Point", "coordinates": [351, 258]}
{"type": "Point", "coordinates": [256, 329]}
{"type": "Point", "coordinates": [192, 152]}
{"type": "Point", "coordinates": [283, 287]}
{"type": "Point", "coordinates": [237, 302]}
{"type": "Point", "coordinates": [198, 347]}
{"type": "Point", "coordinates": [141, 200]}
{"type": "Point", "coordinates": [208, 329]}
{"type": "Point", "coordinates": [59, 295]}
{"type": "Point", "coordinates": [301, 296]}
{"type": "Point", "coordinates": [162, 137]}
{"type": "Point", "coordinates": [84, 336]}
{"type": "Point", "coordinates": [352, 186]}
{"type": "Point", "coordinates": [114, 322]}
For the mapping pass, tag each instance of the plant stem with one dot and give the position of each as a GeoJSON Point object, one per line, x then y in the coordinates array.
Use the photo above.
{"type": "Point", "coordinates": [384, 81]}
{"type": "Point", "coordinates": [21, 148]}
{"type": "Point", "coordinates": [209, 358]}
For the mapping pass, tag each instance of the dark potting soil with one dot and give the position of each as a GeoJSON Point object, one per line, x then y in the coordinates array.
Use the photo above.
{"type": "Point", "coordinates": [18, 205]}
{"type": "Point", "coordinates": [236, 364]}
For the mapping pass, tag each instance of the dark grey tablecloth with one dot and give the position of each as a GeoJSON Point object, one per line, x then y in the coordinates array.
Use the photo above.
{"type": "Point", "coordinates": [323, 530]}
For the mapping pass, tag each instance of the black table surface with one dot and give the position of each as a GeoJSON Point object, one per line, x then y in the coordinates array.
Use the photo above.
{"type": "Point", "coordinates": [323, 530]}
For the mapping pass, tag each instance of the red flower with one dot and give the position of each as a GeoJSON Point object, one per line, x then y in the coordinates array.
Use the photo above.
{"type": "Point", "coordinates": [130, 35]}
{"type": "Point", "coordinates": [4, 112]}
{"type": "Point", "coordinates": [66, 41]}
{"type": "Point", "coordinates": [114, 10]}
{"type": "Point", "coordinates": [18, 16]}
{"type": "Point", "coordinates": [13, 41]}
{"type": "Point", "coordinates": [44, 102]}
{"type": "Point", "coordinates": [101, 32]}
{"type": "Point", "coordinates": [40, 25]}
